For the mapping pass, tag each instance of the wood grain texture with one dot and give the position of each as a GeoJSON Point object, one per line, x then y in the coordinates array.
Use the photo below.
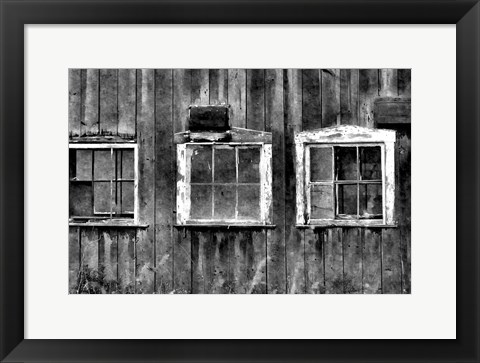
{"type": "Point", "coordinates": [372, 261]}
{"type": "Point", "coordinates": [334, 262]}
{"type": "Point", "coordinates": [145, 246]}
{"type": "Point", "coordinates": [404, 82]}
{"type": "Point", "coordinates": [90, 105]}
{"type": "Point", "coordinates": [182, 80]}
{"type": "Point", "coordinates": [74, 101]}
{"type": "Point", "coordinates": [391, 262]}
{"type": "Point", "coordinates": [73, 259]}
{"type": "Point", "coordinates": [127, 107]}
{"type": "Point", "coordinates": [330, 97]}
{"type": "Point", "coordinates": [200, 87]}
{"type": "Point", "coordinates": [108, 101]}
{"type": "Point", "coordinates": [126, 261]}
{"type": "Point", "coordinates": [368, 90]}
{"type": "Point", "coordinates": [201, 268]}
{"type": "Point", "coordinates": [388, 82]}
{"type": "Point", "coordinates": [349, 96]}
{"type": "Point", "coordinates": [89, 249]}
{"type": "Point", "coordinates": [314, 261]}
{"type": "Point", "coordinates": [257, 263]}
{"type": "Point", "coordinates": [218, 84]}
{"type": "Point", "coordinates": [352, 260]}
{"type": "Point", "coordinates": [164, 180]}
{"type": "Point", "coordinates": [256, 99]}
{"type": "Point", "coordinates": [311, 99]}
{"type": "Point", "coordinates": [295, 258]}
{"type": "Point", "coordinates": [237, 97]}
{"type": "Point", "coordinates": [108, 257]}
{"type": "Point", "coordinates": [276, 268]}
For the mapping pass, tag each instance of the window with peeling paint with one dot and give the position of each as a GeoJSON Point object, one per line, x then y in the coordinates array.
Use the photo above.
{"type": "Point", "coordinates": [102, 182]}
{"type": "Point", "coordinates": [345, 176]}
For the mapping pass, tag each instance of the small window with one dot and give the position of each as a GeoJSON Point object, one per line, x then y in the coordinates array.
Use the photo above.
{"type": "Point", "coordinates": [102, 182]}
{"type": "Point", "coordinates": [345, 176]}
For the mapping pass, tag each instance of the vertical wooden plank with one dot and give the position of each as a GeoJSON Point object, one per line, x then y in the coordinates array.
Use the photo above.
{"type": "Point", "coordinates": [349, 100]}
{"type": "Point", "coordinates": [368, 91]}
{"type": "Point", "coordinates": [200, 87]}
{"type": "Point", "coordinates": [108, 101]}
{"type": "Point", "coordinates": [108, 259]}
{"type": "Point", "coordinates": [89, 249]}
{"type": "Point", "coordinates": [311, 99]}
{"type": "Point", "coordinates": [372, 261]}
{"type": "Point", "coordinates": [404, 82]}
{"type": "Point", "coordinates": [391, 262]}
{"type": "Point", "coordinates": [241, 260]}
{"type": "Point", "coordinates": [164, 180]}
{"type": "Point", "coordinates": [314, 261]}
{"type": "Point", "coordinates": [352, 260]}
{"type": "Point", "coordinates": [126, 261]}
{"type": "Point", "coordinates": [74, 101]}
{"type": "Point", "coordinates": [257, 263]}
{"type": "Point", "coordinates": [406, 255]}
{"type": "Point", "coordinates": [73, 259]}
{"type": "Point", "coordinates": [334, 261]}
{"type": "Point", "coordinates": [237, 97]}
{"type": "Point", "coordinates": [182, 262]}
{"type": "Point", "coordinates": [255, 99]}
{"type": "Point", "coordinates": [145, 253]}
{"type": "Point", "coordinates": [330, 97]}
{"type": "Point", "coordinates": [127, 107]}
{"type": "Point", "coordinates": [221, 282]}
{"type": "Point", "coordinates": [201, 243]}
{"type": "Point", "coordinates": [276, 267]}
{"type": "Point", "coordinates": [388, 82]}
{"type": "Point", "coordinates": [292, 85]}
{"type": "Point", "coordinates": [90, 121]}
{"type": "Point", "coordinates": [218, 80]}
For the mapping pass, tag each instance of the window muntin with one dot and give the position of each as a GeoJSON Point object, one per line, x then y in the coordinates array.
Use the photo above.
{"type": "Point", "coordinates": [102, 181]}
{"type": "Point", "coordinates": [344, 181]}
{"type": "Point", "coordinates": [224, 182]}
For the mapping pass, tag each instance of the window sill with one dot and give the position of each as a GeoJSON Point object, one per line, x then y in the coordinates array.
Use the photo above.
{"type": "Point", "coordinates": [107, 223]}
{"type": "Point", "coordinates": [341, 224]}
{"type": "Point", "coordinates": [224, 225]}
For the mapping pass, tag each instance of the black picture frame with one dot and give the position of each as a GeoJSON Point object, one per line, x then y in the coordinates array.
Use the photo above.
{"type": "Point", "coordinates": [15, 14]}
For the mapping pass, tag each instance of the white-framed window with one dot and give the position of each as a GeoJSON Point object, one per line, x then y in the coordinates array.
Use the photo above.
{"type": "Point", "coordinates": [103, 182]}
{"type": "Point", "coordinates": [345, 176]}
{"type": "Point", "coordinates": [224, 183]}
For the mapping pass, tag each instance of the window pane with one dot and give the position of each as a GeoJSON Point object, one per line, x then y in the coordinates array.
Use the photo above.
{"type": "Point", "coordinates": [102, 197]}
{"type": "Point", "coordinates": [370, 163]}
{"type": "Point", "coordinates": [84, 165]}
{"type": "Point", "coordinates": [201, 165]}
{"type": "Point", "coordinates": [320, 163]}
{"type": "Point", "coordinates": [126, 157]}
{"type": "Point", "coordinates": [81, 199]}
{"type": "Point", "coordinates": [126, 196]}
{"type": "Point", "coordinates": [225, 168]}
{"type": "Point", "coordinates": [371, 201]}
{"type": "Point", "coordinates": [249, 202]}
{"type": "Point", "coordinates": [201, 202]}
{"type": "Point", "coordinates": [347, 199]}
{"type": "Point", "coordinates": [346, 163]}
{"type": "Point", "coordinates": [104, 165]}
{"type": "Point", "coordinates": [321, 202]}
{"type": "Point", "coordinates": [224, 200]}
{"type": "Point", "coordinates": [249, 165]}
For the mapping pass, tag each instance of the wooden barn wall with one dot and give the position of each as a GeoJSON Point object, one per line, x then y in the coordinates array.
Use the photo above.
{"type": "Point", "coordinates": [149, 106]}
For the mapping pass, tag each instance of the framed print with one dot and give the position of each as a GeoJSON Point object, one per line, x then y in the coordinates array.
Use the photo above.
{"type": "Point", "coordinates": [203, 182]}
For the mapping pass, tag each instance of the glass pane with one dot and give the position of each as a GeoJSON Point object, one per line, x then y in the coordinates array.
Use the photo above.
{"type": "Point", "coordinates": [249, 202]}
{"type": "Point", "coordinates": [201, 165]}
{"type": "Point", "coordinates": [370, 163]}
{"type": "Point", "coordinates": [126, 193]}
{"type": "Point", "coordinates": [102, 197]}
{"type": "Point", "coordinates": [126, 160]}
{"type": "Point", "coordinates": [346, 163]}
{"type": "Point", "coordinates": [371, 201]}
{"type": "Point", "coordinates": [81, 199]}
{"type": "Point", "coordinates": [224, 200]}
{"type": "Point", "coordinates": [249, 165]}
{"type": "Point", "coordinates": [225, 168]}
{"type": "Point", "coordinates": [320, 164]}
{"type": "Point", "coordinates": [104, 165]}
{"type": "Point", "coordinates": [347, 199]}
{"type": "Point", "coordinates": [84, 165]}
{"type": "Point", "coordinates": [201, 202]}
{"type": "Point", "coordinates": [321, 202]}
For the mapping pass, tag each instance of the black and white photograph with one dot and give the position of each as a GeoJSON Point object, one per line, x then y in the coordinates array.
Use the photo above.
{"type": "Point", "coordinates": [239, 181]}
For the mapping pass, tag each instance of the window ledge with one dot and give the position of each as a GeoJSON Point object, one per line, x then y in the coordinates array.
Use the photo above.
{"type": "Point", "coordinates": [108, 224]}
{"type": "Point", "coordinates": [345, 224]}
{"type": "Point", "coordinates": [227, 226]}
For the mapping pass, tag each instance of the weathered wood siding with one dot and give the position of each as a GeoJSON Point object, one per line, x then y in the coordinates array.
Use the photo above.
{"type": "Point", "coordinates": [149, 106]}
